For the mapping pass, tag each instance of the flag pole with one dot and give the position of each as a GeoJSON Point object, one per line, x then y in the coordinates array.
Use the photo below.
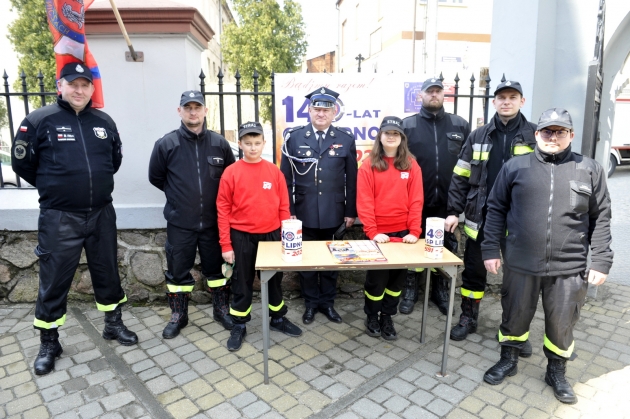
{"type": "Point", "coordinates": [123, 30]}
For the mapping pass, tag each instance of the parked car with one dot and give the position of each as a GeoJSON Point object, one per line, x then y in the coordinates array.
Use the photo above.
{"type": "Point", "coordinates": [619, 155]}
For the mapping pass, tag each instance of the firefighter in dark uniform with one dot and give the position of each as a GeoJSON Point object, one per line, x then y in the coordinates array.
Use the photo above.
{"type": "Point", "coordinates": [435, 139]}
{"type": "Point", "coordinates": [508, 134]}
{"type": "Point", "coordinates": [187, 165]}
{"type": "Point", "coordinates": [319, 162]}
{"type": "Point", "coordinates": [556, 207]}
{"type": "Point", "coordinates": [70, 153]}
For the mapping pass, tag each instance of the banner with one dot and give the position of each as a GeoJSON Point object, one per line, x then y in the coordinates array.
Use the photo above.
{"type": "Point", "coordinates": [66, 20]}
{"type": "Point", "coordinates": [364, 100]}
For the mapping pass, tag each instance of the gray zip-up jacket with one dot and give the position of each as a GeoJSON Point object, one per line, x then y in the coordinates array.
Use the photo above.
{"type": "Point", "coordinates": [555, 206]}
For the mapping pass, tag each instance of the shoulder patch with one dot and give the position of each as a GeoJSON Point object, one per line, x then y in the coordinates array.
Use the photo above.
{"type": "Point", "coordinates": [345, 131]}
{"type": "Point", "coordinates": [291, 130]}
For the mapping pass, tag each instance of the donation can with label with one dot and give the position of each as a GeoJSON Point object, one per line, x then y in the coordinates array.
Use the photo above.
{"type": "Point", "coordinates": [291, 240]}
{"type": "Point", "coordinates": [434, 238]}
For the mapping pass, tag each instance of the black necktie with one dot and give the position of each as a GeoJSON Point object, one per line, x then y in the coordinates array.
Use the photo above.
{"type": "Point", "coordinates": [320, 139]}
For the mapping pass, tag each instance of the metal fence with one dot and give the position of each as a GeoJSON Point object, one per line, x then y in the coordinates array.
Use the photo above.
{"type": "Point", "coordinates": [45, 97]}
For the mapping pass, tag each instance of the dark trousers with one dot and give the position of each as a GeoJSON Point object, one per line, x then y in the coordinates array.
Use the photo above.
{"type": "Point", "coordinates": [562, 298]}
{"type": "Point", "coordinates": [474, 276]}
{"type": "Point", "coordinates": [181, 248]}
{"type": "Point", "coordinates": [383, 287]}
{"type": "Point", "coordinates": [319, 288]}
{"type": "Point", "coordinates": [245, 247]}
{"type": "Point", "coordinates": [61, 238]}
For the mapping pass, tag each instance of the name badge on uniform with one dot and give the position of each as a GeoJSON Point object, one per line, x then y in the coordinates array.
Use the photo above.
{"type": "Point", "coordinates": [65, 137]}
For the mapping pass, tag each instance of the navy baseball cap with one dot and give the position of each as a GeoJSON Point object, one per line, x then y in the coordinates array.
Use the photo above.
{"type": "Point", "coordinates": [555, 116]}
{"type": "Point", "coordinates": [432, 82]}
{"type": "Point", "coordinates": [73, 71]}
{"type": "Point", "coordinates": [392, 123]}
{"type": "Point", "coordinates": [323, 98]}
{"type": "Point", "coordinates": [509, 84]}
{"type": "Point", "coordinates": [192, 96]}
{"type": "Point", "coordinates": [250, 128]}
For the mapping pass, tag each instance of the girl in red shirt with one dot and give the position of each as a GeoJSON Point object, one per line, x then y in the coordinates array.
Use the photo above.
{"type": "Point", "coordinates": [389, 202]}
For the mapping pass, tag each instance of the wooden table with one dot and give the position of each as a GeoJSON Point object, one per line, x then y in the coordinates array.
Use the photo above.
{"type": "Point", "coordinates": [316, 256]}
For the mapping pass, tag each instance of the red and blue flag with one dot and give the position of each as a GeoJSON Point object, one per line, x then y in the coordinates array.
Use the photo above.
{"type": "Point", "coordinates": [66, 20]}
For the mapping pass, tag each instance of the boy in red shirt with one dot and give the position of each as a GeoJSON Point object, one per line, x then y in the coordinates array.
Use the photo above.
{"type": "Point", "coordinates": [389, 202]}
{"type": "Point", "coordinates": [252, 201]}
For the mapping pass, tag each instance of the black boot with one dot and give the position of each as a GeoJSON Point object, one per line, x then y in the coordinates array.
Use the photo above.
{"type": "Point", "coordinates": [221, 306]}
{"type": "Point", "coordinates": [372, 326]}
{"type": "Point", "coordinates": [49, 350]}
{"type": "Point", "coordinates": [388, 332]}
{"type": "Point", "coordinates": [439, 292]}
{"type": "Point", "coordinates": [179, 314]}
{"type": "Point", "coordinates": [410, 293]}
{"type": "Point", "coordinates": [237, 335]}
{"type": "Point", "coordinates": [556, 368]}
{"type": "Point", "coordinates": [506, 367]}
{"type": "Point", "coordinates": [468, 320]}
{"type": "Point", "coordinates": [115, 328]}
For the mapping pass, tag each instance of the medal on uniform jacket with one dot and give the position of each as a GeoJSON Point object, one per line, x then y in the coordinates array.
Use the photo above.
{"type": "Point", "coordinates": [331, 152]}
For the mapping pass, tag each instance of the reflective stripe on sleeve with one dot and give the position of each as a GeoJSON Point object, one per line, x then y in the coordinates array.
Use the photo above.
{"type": "Point", "coordinates": [519, 150]}
{"type": "Point", "coordinates": [462, 168]}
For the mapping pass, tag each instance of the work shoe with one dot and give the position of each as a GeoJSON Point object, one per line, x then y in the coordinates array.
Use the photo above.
{"type": "Point", "coordinates": [556, 368]}
{"type": "Point", "coordinates": [238, 333]}
{"type": "Point", "coordinates": [221, 306]}
{"type": "Point", "coordinates": [309, 315]}
{"type": "Point", "coordinates": [410, 292]}
{"type": "Point", "coordinates": [372, 326]}
{"type": "Point", "coordinates": [115, 328]}
{"type": "Point", "coordinates": [387, 327]}
{"type": "Point", "coordinates": [283, 325]}
{"type": "Point", "coordinates": [506, 367]}
{"type": "Point", "coordinates": [468, 320]}
{"type": "Point", "coordinates": [179, 314]}
{"type": "Point", "coordinates": [331, 314]}
{"type": "Point", "coordinates": [49, 350]}
{"type": "Point", "coordinates": [526, 350]}
{"type": "Point", "coordinates": [439, 292]}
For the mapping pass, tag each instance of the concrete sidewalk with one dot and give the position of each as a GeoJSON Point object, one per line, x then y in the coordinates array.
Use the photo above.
{"type": "Point", "coordinates": [331, 371]}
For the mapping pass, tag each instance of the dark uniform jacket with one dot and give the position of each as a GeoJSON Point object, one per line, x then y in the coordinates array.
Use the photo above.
{"type": "Point", "coordinates": [555, 207]}
{"type": "Point", "coordinates": [71, 158]}
{"type": "Point", "coordinates": [435, 140]}
{"type": "Point", "coordinates": [328, 193]}
{"type": "Point", "coordinates": [188, 168]}
{"type": "Point", "coordinates": [468, 192]}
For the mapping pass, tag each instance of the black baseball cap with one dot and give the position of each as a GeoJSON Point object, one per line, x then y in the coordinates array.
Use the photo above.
{"type": "Point", "coordinates": [73, 71]}
{"type": "Point", "coordinates": [323, 98]}
{"type": "Point", "coordinates": [432, 82]}
{"type": "Point", "coordinates": [192, 96]}
{"type": "Point", "coordinates": [391, 123]}
{"type": "Point", "coordinates": [555, 116]}
{"type": "Point", "coordinates": [250, 128]}
{"type": "Point", "coordinates": [509, 84]}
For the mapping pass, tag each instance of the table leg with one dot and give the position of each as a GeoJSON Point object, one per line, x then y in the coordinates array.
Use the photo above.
{"type": "Point", "coordinates": [265, 276]}
{"type": "Point", "coordinates": [451, 271]}
{"type": "Point", "coordinates": [425, 306]}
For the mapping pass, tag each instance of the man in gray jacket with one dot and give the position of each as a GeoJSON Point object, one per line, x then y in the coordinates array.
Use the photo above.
{"type": "Point", "coordinates": [554, 204]}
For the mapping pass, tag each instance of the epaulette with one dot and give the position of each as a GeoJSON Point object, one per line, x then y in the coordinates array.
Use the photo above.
{"type": "Point", "coordinates": [288, 134]}
{"type": "Point", "coordinates": [345, 131]}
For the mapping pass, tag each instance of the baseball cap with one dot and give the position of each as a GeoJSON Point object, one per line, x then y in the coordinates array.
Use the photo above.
{"type": "Point", "coordinates": [555, 116]}
{"type": "Point", "coordinates": [509, 84]}
{"type": "Point", "coordinates": [250, 128]}
{"type": "Point", "coordinates": [323, 98]}
{"type": "Point", "coordinates": [73, 71]}
{"type": "Point", "coordinates": [391, 123]}
{"type": "Point", "coordinates": [432, 82]}
{"type": "Point", "coordinates": [192, 96]}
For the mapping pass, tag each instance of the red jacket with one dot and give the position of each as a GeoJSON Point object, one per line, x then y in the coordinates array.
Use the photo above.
{"type": "Point", "coordinates": [253, 198]}
{"type": "Point", "coordinates": [390, 201]}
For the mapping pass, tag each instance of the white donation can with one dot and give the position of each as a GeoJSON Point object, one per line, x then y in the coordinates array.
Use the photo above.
{"type": "Point", "coordinates": [434, 238]}
{"type": "Point", "coordinates": [291, 240]}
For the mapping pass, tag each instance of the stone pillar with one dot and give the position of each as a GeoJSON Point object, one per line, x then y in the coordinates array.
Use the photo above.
{"type": "Point", "coordinates": [546, 45]}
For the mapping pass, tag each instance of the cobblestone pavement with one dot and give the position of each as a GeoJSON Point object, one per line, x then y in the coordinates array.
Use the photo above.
{"type": "Point", "coordinates": [332, 371]}
{"type": "Point", "coordinates": [619, 189]}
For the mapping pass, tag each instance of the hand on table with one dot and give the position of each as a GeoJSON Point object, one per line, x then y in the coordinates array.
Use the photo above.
{"type": "Point", "coordinates": [381, 238]}
{"type": "Point", "coordinates": [410, 238]}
